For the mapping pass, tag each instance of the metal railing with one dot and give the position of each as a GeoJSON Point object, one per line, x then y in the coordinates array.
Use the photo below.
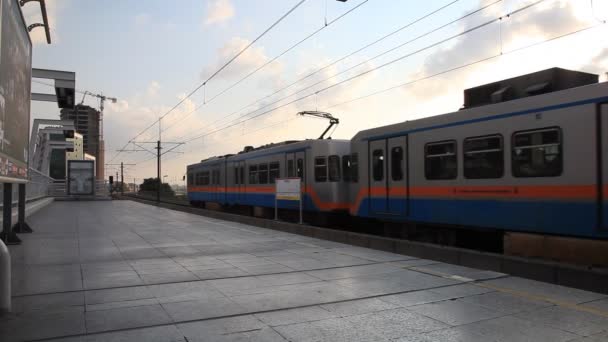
{"type": "Point", "coordinates": [38, 186]}
{"type": "Point", "coordinates": [59, 188]}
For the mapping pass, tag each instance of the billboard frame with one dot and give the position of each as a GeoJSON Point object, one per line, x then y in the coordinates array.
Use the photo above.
{"type": "Point", "coordinates": [16, 3]}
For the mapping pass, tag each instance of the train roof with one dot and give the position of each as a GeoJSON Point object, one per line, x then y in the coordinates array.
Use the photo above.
{"type": "Point", "coordinates": [251, 152]}
{"type": "Point", "coordinates": [539, 103]}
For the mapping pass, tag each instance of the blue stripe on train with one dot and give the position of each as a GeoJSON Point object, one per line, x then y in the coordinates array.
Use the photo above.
{"type": "Point", "coordinates": [563, 218]}
{"type": "Point", "coordinates": [252, 199]}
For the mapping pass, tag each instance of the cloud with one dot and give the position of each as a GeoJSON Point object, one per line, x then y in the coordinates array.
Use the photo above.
{"type": "Point", "coordinates": [142, 19]}
{"type": "Point", "coordinates": [218, 11]}
{"type": "Point", "coordinates": [536, 24]}
{"type": "Point", "coordinates": [153, 88]}
{"type": "Point", "coordinates": [250, 60]}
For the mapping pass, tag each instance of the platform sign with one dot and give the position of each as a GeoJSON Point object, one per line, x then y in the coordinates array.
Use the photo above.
{"type": "Point", "coordinates": [15, 92]}
{"type": "Point", "coordinates": [288, 189]}
{"type": "Point", "coordinates": [81, 177]}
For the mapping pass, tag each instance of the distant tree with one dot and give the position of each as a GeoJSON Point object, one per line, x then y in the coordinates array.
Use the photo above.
{"type": "Point", "coordinates": [151, 185]}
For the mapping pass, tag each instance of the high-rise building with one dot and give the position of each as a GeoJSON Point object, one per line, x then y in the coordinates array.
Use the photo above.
{"type": "Point", "coordinates": [86, 121]}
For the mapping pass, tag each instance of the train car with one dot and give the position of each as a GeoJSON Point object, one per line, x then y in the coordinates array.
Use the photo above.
{"type": "Point", "coordinates": [247, 178]}
{"type": "Point", "coordinates": [526, 154]}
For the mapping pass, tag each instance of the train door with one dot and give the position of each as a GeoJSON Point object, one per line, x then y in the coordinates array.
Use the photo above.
{"type": "Point", "coordinates": [241, 187]}
{"type": "Point", "coordinates": [604, 167]}
{"type": "Point", "coordinates": [378, 186]}
{"type": "Point", "coordinates": [396, 173]}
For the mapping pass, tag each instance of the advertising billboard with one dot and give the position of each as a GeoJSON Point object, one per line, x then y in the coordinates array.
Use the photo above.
{"type": "Point", "coordinates": [15, 90]}
{"type": "Point", "coordinates": [81, 177]}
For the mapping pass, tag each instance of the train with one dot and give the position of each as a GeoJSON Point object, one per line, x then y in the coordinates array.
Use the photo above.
{"type": "Point", "coordinates": [525, 154]}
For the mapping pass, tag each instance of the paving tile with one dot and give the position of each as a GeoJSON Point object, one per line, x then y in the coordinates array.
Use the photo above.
{"type": "Point", "coordinates": [454, 334]}
{"type": "Point", "coordinates": [261, 335]}
{"type": "Point", "coordinates": [456, 312]}
{"type": "Point", "coordinates": [168, 333]}
{"type": "Point", "coordinates": [510, 328]}
{"type": "Point", "coordinates": [392, 324]}
{"type": "Point", "coordinates": [415, 298]}
{"type": "Point", "coordinates": [456, 271]}
{"type": "Point", "coordinates": [299, 315]}
{"type": "Point", "coordinates": [463, 290]}
{"type": "Point", "coordinates": [601, 304]}
{"type": "Point", "coordinates": [117, 295]}
{"type": "Point", "coordinates": [41, 327]}
{"type": "Point", "coordinates": [505, 302]}
{"type": "Point", "coordinates": [552, 291]}
{"type": "Point", "coordinates": [354, 271]}
{"type": "Point", "coordinates": [575, 321]}
{"type": "Point", "coordinates": [357, 307]}
{"type": "Point", "coordinates": [218, 327]}
{"type": "Point", "coordinates": [123, 318]}
{"type": "Point", "coordinates": [335, 330]}
{"type": "Point", "coordinates": [161, 278]}
{"type": "Point", "coordinates": [122, 304]}
{"type": "Point", "coordinates": [47, 302]}
{"type": "Point", "coordinates": [201, 309]}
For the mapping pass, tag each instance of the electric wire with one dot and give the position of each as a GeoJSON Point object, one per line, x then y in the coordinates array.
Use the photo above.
{"type": "Point", "coordinates": [291, 10]}
{"type": "Point", "coordinates": [378, 40]}
{"type": "Point", "coordinates": [467, 31]}
{"type": "Point", "coordinates": [205, 101]}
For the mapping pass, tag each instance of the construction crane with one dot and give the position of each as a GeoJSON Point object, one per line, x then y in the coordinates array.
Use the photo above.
{"type": "Point", "coordinates": [100, 147]}
{"type": "Point", "coordinates": [323, 115]}
{"type": "Point", "coordinates": [102, 98]}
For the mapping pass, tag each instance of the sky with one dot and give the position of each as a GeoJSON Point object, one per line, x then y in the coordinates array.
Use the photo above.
{"type": "Point", "coordinates": [150, 54]}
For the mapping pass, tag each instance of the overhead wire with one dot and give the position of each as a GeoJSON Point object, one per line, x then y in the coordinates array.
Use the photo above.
{"type": "Point", "coordinates": [378, 40]}
{"type": "Point", "coordinates": [270, 61]}
{"type": "Point", "coordinates": [291, 10]}
{"type": "Point", "coordinates": [479, 61]}
{"type": "Point", "coordinates": [467, 31]}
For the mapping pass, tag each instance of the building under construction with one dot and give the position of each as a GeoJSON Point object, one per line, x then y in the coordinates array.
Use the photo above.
{"type": "Point", "coordinates": [87, 122]}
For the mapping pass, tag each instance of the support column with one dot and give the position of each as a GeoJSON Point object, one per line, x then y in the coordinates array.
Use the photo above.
{"type": "Point", "coordinates": [21, 226]}
{"type": "Point", "coordinates": [8, 236]}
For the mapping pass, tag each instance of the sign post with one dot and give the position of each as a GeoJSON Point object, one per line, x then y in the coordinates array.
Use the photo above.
{"type": "Point", "coordinates": [287, 189]}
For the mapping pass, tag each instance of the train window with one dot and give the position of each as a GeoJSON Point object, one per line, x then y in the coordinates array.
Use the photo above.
{"type": "Point", "coordinates": [440, 160]}
{"type": "Point", "coordinates": [215, 177]}
{"type": "Point", "coordinates": [263, 173]}
{"type": "Point", "coordinates": [320, 169]}
{"type": "Point", "coordinates": [537, 153]}
{"type": "Point", "coordinates": [397, 163]}
{"type": "Point", "coordinates": [333, 163]}
{"type": "Point", "coordinates": [378, 165]}
{"type": "Point", "coordinates": [275, 171]}
{"type": "Point", "coordinates": [354, 167]}
{"type": "Point", "coordinates": [190, 179]}
{"type": "Point", "coordinates": [242, 175]}
{"type": "Point", "coordinates": [483, 157]}
{"type": "Point", "coordinates": [205, 178]}
{"type": "Point", "coordinates": [236, 175]}
{"type": "Point", "coordinates": [346, 168]}
{"type": "Point", "coordinates": [197, 179]}
{"type": "Point", "coordinates": [253, 174]}
{"type": "Point", "coordinates": [290, 170]}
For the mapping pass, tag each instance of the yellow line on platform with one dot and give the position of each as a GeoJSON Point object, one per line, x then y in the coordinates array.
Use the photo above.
{"type": "Point", "coordinates": [531, 296]}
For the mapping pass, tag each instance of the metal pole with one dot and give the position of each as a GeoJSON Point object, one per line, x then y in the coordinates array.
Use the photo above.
{"type": "Point", "coordinates": [5, 279]}
{"type": "Point", "coordinates": [301, 221]}
{"type": "Point", "coordinates": [7, 211]}
{"type": "Point", "coordinates": [8, 236]}
{"type": "Point", "coordinates": [158, 170]}
{"type": "Point", "coordinates": [122, 179]}
{"type": "Point", "coordinates": [22, 226]}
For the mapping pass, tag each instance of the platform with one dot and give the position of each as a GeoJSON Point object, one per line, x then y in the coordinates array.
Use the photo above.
{"type": "Point", "coordinates": [126, 271]}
